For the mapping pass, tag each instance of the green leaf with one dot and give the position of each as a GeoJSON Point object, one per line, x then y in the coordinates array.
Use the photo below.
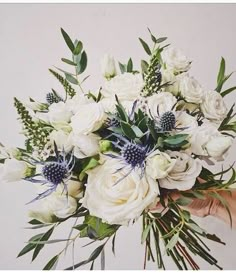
{"type": "Point", "coordinates": [67, 61]}
{"type": "Point", "coordinates": [113, 244]}
{"type": "Point", "coordinates": [80, 227]}
{"type": "Point", "coordinates": [145, 233]}
{"type": "Point", "coordinates": [160, 40]}
{"type": "Point", "coordinates": [71, 78]}
{"type": "Point", "coordinates": [154, 39]}
{"type": "Point", "coordinates": [144, 66]}
{"type": "Point", "coordinates": [130, 65]}
{"type": "Point", "coordinates": [122, 113]}
{"type": "Point", "coordinates": [176, 139]}
{"type": "Point", "coordinates": [99, 229]}
{"type": "Point", "coordinates": [183, 201]}
{"type": "Point", "coordinates": [122, 68]}
{"type": "Point", "coordinates": [81, 66]}
{"type": "Point", "coordinates": [145, 46]}
{"type": "Point", "coordinates": [196, 228]}
{"type": "Point", "coordinates": [127, 130]}
{"type": "Point", "coordinates": [78, 48]}
{"type": "Point", "coordinates": [35, 222]}
{"type": "Point", "coordinates": [172, 242]}
{"type": "Point", "coordinates": [138, 132]}
{"type": "Point", "coordinates": [228, 91]}
{"type": "Point", "coordinates": [103, 259]}
{"type": "Point", "coordinates": [39, 247]}
{"type": "Point", "coordinates": [68, 40]}
{"type": "Point", "coordinates": [186, 215]}
{"type": "Point", "coordinates": [92, 163]}
{"type": "Point", "coordinates": [52, 263]}
{"type": "Point", "coordinates": [29, 246]}
{"type": "Point", "coordinates": [221, 72]}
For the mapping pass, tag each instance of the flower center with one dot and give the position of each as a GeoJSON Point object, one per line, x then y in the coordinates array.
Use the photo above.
{"type": "Point", "coordinates": [167, 121]}
{"type": "Point", "coordinates": [133, 154]}
{"type": "Point", "coordinates": [54, 172]}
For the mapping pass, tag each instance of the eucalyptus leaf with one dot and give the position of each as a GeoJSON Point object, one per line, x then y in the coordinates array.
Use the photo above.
{"type": "Point", "coordinates": [183, 201]}
{"type": "Point", "coordinates": [82, 63]}
{"type": "Point", "coordinates": [68, 40]}
{"type": "Point", "coordinates": [127, 129]}
{"type": "Point", "coordinates": [172, 242]}
{"type": "Point", "coordinates": [71, 79]}
{"type": "Point", "coordinates": [122, 68]}
{"type": "Point", "coordinates": [130, 65]}
{"type": "Point", "coordinates": [176, 139]}
{"type": "Point", "coordinates": [67, 61]}
{"type": "Point", "coordinates": [145, 46]}
{"type": "Point", "coordinates": [78, 48]}
{"type": "Point", "coordinates": [144, 66]}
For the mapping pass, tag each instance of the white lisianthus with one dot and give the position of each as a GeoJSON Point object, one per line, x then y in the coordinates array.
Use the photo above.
{"type": "Point", "coordinates": [184, 173]}
{"type": "Point", "coordinates": [115, 197]}
{"type": "Point", "coordinates": [218, 146]}
{"type": "Point", "coordinates": [54, 206]}
{"type": "Point", "coordinates": [190, 89]}
{"type": "Point", "coordinates": [169, 76]}
{"type": "Point", "coordinates": [109, 105]}
{"type": "Point", "coordinates": [62, 139]}
{"type": "Point", "coordinates": [185, 123]}
{"type": "Point", "coordinates": [89, 118]}
{"type": "Point", "coordinates": [213, 106]}
{"type": "Point", "coordinates": [59, 115]}
{"type": "Point", "coordinates": [127, 86]}
{"type": "Point", "coordinates": [85, 145]}
{"type": "Point", "coordinates": [14, 170]}
{"type": "Point", "coordinates": [175, 60]}
{"type": "Point", "coordinates": [35, 105]}
{"type": "Point", "coordinates": [162, 102]}
{"type": "Point", "coordinates": [208, 141]}
{"type": "Point", "coordinates": [108, 66]}
{"type": "Point", "coordinates": [75, 103]}
{"type": "Point", "coordinates": [159, 164]}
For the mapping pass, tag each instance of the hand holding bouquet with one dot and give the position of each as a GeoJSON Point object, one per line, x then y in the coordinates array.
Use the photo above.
{"type": "Point", "coordinates": [138, 147]}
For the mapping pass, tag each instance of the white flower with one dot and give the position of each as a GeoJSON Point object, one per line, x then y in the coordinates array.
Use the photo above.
{"type": "Point", "coordinates": [213, 106]}
{"type": "Point", "coordinates": [85, 145]}
{"type": "Point", "coordinates": [109, 105]}
{"type": "Point", "coordinates": [185, 123]}
{"type": "Point", "coordinates": [169, 76]}
{"type": "Point", "coordinates": [175, 60]}
{"type": "Point", "coordinates": [35, 105]}
{"type": "Point", "coordinates": [218, 146]}
{"type": "Point", "coordinates": [14, 170]}
{"type": "Point", "coordinates": [184, 173]}
{"type": "Point", "coordinates": [127, 86]}
{"type": "Point", "coordinates": [89, 118]}
{"type": "Point", "coordinates": [74, 187]}
{"type": "Point", "coordinates": [75, 103]}
{"type": "Point", "coordinates": [108, 66]}
{"type": "Point", "coordinates": [159, 164]}
{"type": "Point", "coordinates": [62, 139]}
{"type": "Point", "coordinates": [56, 204]}
{"type": "Point", "coordinates": [190, 89]}
{"type": "Point", "coordinates": [208, 141]}
{"type": "Point", "coordinates": [162, 102]}
{"type": "Point", "coordinates": [117, 199]}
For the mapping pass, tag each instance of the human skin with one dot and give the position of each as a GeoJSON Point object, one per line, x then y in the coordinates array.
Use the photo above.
{"type": "Point", "coordinates": [212, 206]}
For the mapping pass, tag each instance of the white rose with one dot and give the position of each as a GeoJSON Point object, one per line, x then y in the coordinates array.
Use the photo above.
{"type": "Point", "coordinates": [108, 66]}
{"type": "Point", "coordinates": [14, 170]}
{"type": "Point", "coordinates": [213, 106]}
{"type": "Point", "coordinates": [89, 118]}
{"type": "Point", "coordinates": [161, 102]}
{"type": "Point", "coordinates": [175, 60]}
{"type": "Point", "coordinates": [218, 146]}
{"type": "Point", "coordinates": [159, 164]}
{"type": "Point", "coordinates": [117, 199]}
{"type": "Point", "coordinates": [62, 139]}
{"type": "Point", "coordinates": [185, 123]}
{"type": "Point", "coordinates": [190, 89]}
{"type": "Point", "coordinates": [184, 173]}
{"type": "Point", "coordinates": [127, 86]}
{"type": "Point", "coordinates": [85, 145]}
{"type": "Point", "coordinates": [55, 204]}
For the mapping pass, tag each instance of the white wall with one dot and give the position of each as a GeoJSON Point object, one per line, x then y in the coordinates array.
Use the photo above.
{"type": "Point", "coordinates": [30, 42]}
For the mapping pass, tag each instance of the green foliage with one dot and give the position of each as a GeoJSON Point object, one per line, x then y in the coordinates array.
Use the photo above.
{"type": "Point", "coordinates": [227, 124]}
{"type": "Point", "coordinates": [70, 91]}
{"type": "Point", "coordinates": [127, 67]}
{"type": "Point", "coordinates": [222, 77]}
{"type": "Point", "coordinates": [52, 263]}
{"type": "Point", "coordinates": [94, 228]}
{"type": "Point", "coordinates": [36, 132]}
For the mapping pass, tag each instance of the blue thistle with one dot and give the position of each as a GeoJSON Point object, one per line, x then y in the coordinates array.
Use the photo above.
{"type": "Point", "coordinates": [54, 173]}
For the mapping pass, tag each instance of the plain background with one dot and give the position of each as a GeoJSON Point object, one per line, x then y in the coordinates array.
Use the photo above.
{"type": "Point", "coordinates": [30, 42]}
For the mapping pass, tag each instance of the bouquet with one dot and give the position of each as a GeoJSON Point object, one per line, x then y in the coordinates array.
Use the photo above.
{"type": "Point", "coordinates": [109, 157]}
